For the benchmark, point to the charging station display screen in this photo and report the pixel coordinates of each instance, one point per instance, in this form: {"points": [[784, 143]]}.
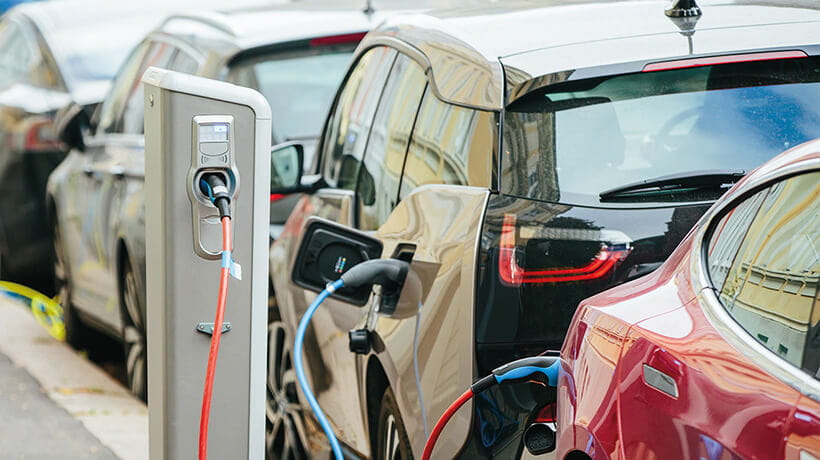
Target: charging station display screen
{"points": [[217, 132]]}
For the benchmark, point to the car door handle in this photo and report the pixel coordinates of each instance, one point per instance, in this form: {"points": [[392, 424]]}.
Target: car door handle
{"points": [[117, 171], [88, 171]]}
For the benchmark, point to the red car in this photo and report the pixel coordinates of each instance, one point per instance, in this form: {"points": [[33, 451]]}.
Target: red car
{"points": [[715, 355]]}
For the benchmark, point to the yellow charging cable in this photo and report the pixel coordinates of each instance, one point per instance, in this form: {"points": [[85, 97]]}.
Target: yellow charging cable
{"points": [[47, 311]]}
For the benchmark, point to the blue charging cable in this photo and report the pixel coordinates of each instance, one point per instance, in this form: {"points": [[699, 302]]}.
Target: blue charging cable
{"points": [[298, 365], [389, 273]]}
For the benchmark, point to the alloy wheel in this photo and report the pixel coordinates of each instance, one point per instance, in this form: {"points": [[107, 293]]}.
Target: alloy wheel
{"points": [[391, 441], [134, 335], [285, 436]]}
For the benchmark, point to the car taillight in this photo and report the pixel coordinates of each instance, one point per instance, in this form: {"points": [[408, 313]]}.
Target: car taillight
{"points": [[513, 274], [338, 39], [276, 197], [39, 136]]}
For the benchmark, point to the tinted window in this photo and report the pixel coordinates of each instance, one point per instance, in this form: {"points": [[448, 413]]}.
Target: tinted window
{"points": [[770, 288], [573, 140], [299, 87], [450, 145], [346, 134], [379, 178]]}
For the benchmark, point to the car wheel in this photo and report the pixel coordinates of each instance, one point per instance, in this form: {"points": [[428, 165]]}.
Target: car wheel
{"points": [[74, 329], [392, 442], [133, 333], [285, 435]]}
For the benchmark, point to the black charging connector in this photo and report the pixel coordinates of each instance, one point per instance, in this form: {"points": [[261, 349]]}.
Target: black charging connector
{"points": [[215, 187], [389, 273]]}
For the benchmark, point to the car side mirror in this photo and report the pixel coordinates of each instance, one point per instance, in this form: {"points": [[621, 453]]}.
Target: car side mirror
{"points": [[72, 124], [287, 165], [327, 251]]}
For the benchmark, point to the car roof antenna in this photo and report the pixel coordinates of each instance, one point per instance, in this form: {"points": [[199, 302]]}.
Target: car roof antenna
{"points": [[368, 8], [685, 15], [683, 9]]}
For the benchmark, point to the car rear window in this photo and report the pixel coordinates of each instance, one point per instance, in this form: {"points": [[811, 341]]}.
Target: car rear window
{"points": [[299, 87], [571, 141]]}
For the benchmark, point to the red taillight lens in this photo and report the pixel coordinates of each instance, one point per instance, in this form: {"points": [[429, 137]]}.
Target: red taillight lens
{"points": [[514, 275], [338, 39], [40, 136], [727, 59], [276, 197], [546, 414]]}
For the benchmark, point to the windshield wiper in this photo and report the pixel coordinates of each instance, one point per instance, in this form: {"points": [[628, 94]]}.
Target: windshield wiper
{"points": [[675, 183]]}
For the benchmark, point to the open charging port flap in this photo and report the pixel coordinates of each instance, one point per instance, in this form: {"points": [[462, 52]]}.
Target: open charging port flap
{"points": [[327, 251]]}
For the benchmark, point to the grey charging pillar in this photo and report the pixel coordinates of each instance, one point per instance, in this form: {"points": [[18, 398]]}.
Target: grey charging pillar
{"points": [[195, 125]]}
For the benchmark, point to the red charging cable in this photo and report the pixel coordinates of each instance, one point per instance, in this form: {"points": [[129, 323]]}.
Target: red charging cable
{"points": [[217, 334], [442, 422]]}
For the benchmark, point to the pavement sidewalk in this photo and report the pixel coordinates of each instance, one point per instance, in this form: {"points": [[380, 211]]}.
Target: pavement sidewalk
{"points": [[56, 404]]}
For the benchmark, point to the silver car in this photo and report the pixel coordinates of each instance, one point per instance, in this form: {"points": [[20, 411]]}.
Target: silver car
{"points": [[295, 57]]}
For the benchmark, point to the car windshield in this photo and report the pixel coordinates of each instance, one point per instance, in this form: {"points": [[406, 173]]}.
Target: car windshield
{"points": [[572, 141], [299, 88]]}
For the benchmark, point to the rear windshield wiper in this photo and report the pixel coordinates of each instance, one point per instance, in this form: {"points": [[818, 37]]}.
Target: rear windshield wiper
{"points": [[675, 183]]}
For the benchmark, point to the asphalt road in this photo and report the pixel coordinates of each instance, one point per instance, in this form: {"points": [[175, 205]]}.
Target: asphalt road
{"points": [[56, 404], [33, 426]]}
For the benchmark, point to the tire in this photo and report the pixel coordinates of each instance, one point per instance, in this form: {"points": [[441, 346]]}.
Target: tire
{"points": [[75, 332], [392, 442], [133, 332], [285, 433]]}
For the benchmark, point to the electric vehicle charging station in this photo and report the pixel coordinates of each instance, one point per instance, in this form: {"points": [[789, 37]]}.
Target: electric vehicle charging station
{"points": [[195, 126]]}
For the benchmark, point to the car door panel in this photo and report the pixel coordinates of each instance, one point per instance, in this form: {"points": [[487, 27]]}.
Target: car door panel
{"points": [[83, 199], [682, 349], [443, 223], [329, 362]]}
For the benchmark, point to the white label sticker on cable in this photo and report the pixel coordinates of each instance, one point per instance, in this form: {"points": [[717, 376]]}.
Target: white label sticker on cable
{"points": [[233, 267]]}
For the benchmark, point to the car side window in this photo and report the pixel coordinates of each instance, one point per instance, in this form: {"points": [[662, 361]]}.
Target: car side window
{"points": [[184, 62], [17, 56], [132, 122], [764, 261], [349, 124], [113, 103], [378, 184], [450, 145], [133, 115], [121, 103]]}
